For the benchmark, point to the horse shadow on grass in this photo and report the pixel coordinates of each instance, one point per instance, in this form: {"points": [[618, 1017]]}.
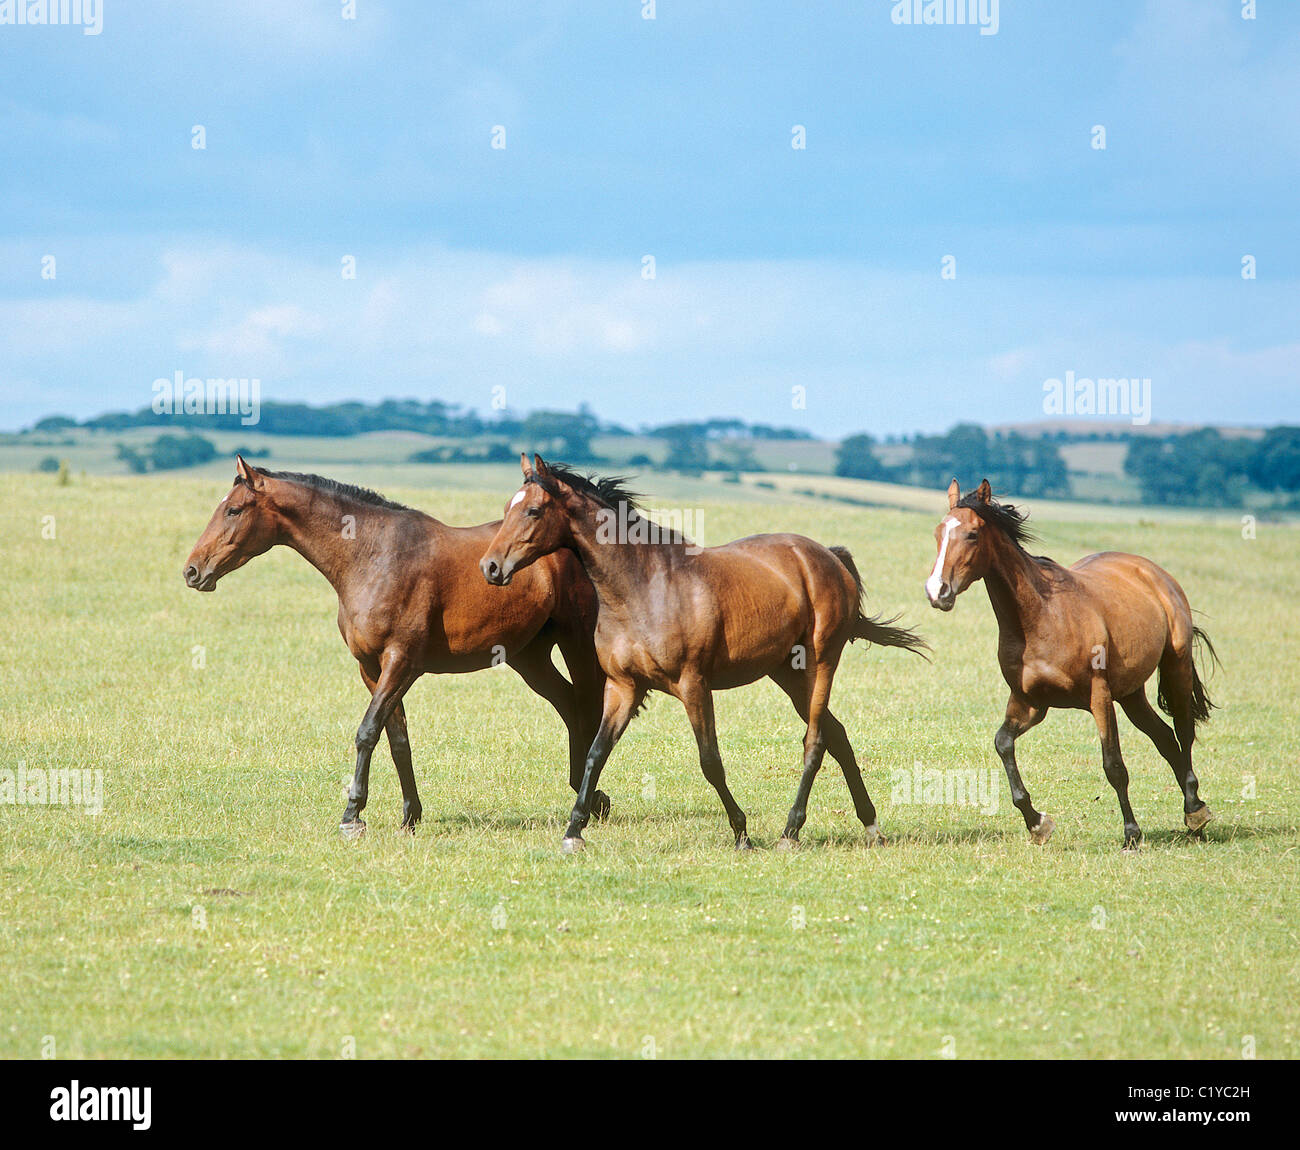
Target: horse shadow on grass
{"points": [[700, 818], [558, 819], [1217, 832], [849, 837]]}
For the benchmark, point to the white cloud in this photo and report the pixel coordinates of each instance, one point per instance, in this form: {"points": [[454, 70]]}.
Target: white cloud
{"points": [[874, 350]]}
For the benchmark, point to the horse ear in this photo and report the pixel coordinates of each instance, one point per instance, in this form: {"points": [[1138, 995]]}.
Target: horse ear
{"points": [[525, 466], [539, 464], [985, 492], [244, 474], [954, 494]]}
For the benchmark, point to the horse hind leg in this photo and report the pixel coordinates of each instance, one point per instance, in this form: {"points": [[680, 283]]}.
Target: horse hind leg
{"points": [[533, 664], [841, 750], [399, 745], [1177, 687], [1112, 761], [588, 681], [836, 742], [814, 749], [697, 698], [393, 682]]}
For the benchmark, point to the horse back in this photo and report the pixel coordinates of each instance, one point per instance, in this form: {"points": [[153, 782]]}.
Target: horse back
{"points": [[1144, 608], [786, 576]]}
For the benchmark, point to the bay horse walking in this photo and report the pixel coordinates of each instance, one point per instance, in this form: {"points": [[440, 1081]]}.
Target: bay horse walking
{"points": [[411, 602], [690, 620], [1083, 637]]}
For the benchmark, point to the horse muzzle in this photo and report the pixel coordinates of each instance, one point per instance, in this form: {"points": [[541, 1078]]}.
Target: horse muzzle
{"points": [[498, 574], [944, 599], [206, 581]]}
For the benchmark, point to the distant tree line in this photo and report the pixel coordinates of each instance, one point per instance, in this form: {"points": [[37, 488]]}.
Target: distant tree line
{"points": [[1010, 461], [1202, 468], [274, 418], [168, 453], [723, 429], [567, 435], [1206, 468]]}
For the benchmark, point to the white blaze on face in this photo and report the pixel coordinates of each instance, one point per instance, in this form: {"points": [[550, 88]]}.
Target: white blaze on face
{"points": [[519, 498], [935, 582]]}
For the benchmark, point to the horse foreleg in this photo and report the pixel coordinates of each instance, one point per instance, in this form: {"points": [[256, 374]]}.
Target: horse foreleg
{"points": [[1020, 717], [621, 702]]}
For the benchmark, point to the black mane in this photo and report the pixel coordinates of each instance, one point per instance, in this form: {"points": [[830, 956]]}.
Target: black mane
{"points": [[1010, 520], [335, 487], [611, 490]]}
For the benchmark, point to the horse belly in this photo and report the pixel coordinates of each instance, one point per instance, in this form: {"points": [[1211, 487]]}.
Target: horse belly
{"points": [[481, 642], [628, 659], [468, 632], [1134, 659], [1050, 685]]}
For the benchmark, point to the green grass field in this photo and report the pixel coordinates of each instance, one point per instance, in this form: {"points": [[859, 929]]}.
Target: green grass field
{"points": [[212, 910]]}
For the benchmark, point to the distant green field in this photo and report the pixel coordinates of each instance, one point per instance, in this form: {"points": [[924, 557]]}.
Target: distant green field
{"points": [[212, 910], [1096, 467], [96, 451]]}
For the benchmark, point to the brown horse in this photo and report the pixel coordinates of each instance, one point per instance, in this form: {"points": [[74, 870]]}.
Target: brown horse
{"points": [[690, 620], [1083, 637], [411, 602]]}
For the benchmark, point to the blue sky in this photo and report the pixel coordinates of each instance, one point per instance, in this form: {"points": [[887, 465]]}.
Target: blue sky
{"points": [[775, 267]]}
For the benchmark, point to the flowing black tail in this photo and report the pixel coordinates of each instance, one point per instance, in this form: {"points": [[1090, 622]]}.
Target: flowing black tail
{"points": [[1201, 701], [875, 629]]}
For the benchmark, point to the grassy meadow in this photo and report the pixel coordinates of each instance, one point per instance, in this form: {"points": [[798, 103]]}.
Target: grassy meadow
{"points": [[212, 910]]}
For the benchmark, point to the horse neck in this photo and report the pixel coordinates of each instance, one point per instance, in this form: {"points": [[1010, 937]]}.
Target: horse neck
{"points": [[312, 523], [1015, 587], [619, 570]]}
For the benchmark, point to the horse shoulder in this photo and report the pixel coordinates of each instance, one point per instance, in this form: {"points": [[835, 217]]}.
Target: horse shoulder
{"points": [[1050, 662]]}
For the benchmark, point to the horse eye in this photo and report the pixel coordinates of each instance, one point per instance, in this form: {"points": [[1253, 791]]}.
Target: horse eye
{"points": [[534, 513], [972, 536], [234, 510]]}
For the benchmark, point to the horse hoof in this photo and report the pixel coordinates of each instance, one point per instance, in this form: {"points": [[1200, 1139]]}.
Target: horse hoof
{"points": [[573, 846], [600, 806], [1132, 847], [874, 837], [353, 830], [1041, 833], [1196, 820], [743, 844], [785, 843]]}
